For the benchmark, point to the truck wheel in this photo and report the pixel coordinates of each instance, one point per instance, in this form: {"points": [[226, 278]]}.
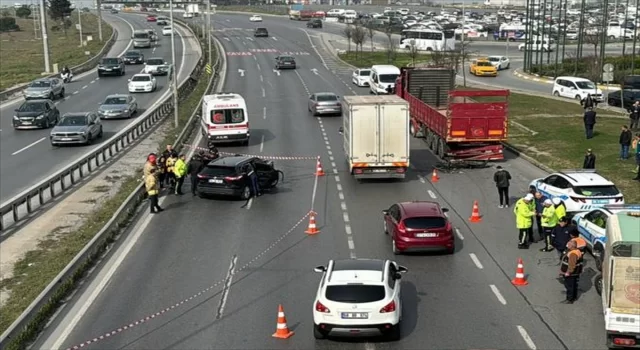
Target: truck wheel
{"points": [[597, 283], [440, 149], [413, 130], [598, 255]]}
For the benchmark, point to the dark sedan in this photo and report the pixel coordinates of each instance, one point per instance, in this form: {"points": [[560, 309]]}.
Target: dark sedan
{"points": [[34, 114], [111, 66], [226, 176], [314, 23], [630, 97], [133, 57], [261, 32], [285, 62]]}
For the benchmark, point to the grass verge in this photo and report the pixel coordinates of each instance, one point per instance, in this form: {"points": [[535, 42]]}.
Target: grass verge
{"points": [[64, 50], [38, 268], [556, 137], [366, 59]]}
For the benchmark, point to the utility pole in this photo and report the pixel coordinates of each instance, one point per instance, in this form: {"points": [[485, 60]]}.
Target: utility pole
{"points": [[174, 85], [208, 36], [99, 9], [45, 37], [80, 25], [36, 20]]}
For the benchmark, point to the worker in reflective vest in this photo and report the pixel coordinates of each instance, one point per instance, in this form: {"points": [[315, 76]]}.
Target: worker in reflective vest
{"points": [[548, 221], [581, 244], [152, 187], [571, 269]]}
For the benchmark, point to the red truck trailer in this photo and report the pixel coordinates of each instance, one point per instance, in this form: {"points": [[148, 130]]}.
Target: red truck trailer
{"points": [[454, 126]]}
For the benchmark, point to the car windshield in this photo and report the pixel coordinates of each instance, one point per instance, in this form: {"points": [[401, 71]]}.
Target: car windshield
{"points": [[484, 64], [261, 29], [586, 85], [324, 98], [115, 101], [32, 107], [215, 170], [425, 222], [388, 78], [365, 73], [40, 84], [286, 58], [155, 62], [355, 294], [109, 61], [132, 54], [494, 59], [592, 191], [141, 35], [227, 116], [166, 28], [141, 78], [73, 120]]}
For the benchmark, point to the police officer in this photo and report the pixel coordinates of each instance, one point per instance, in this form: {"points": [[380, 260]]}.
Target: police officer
{"points": [[581, 244], [152, 187], [524, 219], [194, 167], [561, 235], [180, 171], [170, 163], [561, 209], [549, 222], [571, 269]]}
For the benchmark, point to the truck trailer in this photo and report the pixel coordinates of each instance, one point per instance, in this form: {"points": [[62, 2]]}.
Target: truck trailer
{"points": [[453, 124], [376, 136]]}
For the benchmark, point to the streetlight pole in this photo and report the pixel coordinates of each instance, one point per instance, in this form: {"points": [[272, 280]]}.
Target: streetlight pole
{"points": [[80, 25], [208, 36], [174, 83], [45, 37], [99, 8]]}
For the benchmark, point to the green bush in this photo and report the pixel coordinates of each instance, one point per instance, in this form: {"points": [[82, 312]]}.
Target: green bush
{"points": [[8, 24], [588, 68]]}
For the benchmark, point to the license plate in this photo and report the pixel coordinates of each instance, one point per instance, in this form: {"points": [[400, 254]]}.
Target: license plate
{"points": [[66, 139], [355, 315], [222, 137], [215, 181], [108, 69], [27, 123], [601, 201], [426, 235], [379, 170]]}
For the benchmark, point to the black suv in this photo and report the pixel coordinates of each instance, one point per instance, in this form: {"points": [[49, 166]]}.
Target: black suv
{"points": [[314, 23], [111, 66], [227, 176], [133, 57], [36, 114], [285, 62], [261, 32]]}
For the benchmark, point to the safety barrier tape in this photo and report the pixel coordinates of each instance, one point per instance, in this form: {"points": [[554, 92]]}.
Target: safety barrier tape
{"points": [[255, 155], [191, 298]]}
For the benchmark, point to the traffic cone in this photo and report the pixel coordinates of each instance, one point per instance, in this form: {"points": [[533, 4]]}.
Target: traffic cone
{"points": [[475, 213], [434, 176], [519, 280], [312, 229], [282, 330], [319, 171]]}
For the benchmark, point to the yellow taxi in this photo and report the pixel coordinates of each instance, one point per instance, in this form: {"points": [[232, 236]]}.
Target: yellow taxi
{"points": [[483, 67]]}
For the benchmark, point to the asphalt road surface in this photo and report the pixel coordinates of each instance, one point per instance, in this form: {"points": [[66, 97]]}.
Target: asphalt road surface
{"points": [[27, 157], [219, 268]]}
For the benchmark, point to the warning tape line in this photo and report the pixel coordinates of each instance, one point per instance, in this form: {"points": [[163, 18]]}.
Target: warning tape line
{"points": [[191, 298], [255, 155]]}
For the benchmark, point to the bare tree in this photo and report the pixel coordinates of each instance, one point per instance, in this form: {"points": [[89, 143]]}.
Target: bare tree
{"points": [[358, 36], [413, 52], [594, 39], [461, 57], [348, 33], [371, 33], [391, 47]]}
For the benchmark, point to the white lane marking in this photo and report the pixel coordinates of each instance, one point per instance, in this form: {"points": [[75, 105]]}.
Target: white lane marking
{"points": [[331, 158], [264, 94], [84, 87], [421, 178], [339, 186], [75, 92], [28, 146], [264, 112], [93, 81], [347, 229], [432, 195], [258, 66], [227, 286], [341, 195], [255, 58], [476, 261], [343, 206], [446, 214], [526, 337], [345, 216], [249, 203], [350, 243], [227, 39], [495, 291], [244, 43], [262, 144], [459, 234], [261, 78], [333, 164], [274, 38]]}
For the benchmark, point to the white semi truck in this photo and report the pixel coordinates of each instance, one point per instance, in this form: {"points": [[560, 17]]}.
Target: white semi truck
{"points": [[376, 136]]}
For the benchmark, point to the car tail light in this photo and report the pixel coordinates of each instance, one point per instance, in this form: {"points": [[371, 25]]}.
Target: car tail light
{"points": [[581, 200], [391, 307], [624, 341], [620, 199], [448, 228], [357, 171], [322, 308], [232, 178], [200, 176], [402, 228], [400, 170]]}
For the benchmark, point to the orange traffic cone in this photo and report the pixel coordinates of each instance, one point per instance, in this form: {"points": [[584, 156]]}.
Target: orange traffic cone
{"points": [[434, 176], [475, 213], [312, 229], [519, 280], [319, 171], [282, 330]]}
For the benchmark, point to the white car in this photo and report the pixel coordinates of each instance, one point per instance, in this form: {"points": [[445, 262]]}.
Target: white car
{"points": [[580, 190], [156, 66], [592, 226], [142, 83], [167, 31], [358, 297], [360, 77], [255, 18], [500, 62], [187, 15]]}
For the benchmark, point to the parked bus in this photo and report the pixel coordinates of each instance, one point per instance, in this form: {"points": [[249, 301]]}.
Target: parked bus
{"points": [[423, 39]]}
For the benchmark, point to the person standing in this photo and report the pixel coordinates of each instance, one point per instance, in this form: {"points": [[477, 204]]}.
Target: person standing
{"points": [[162, 171], [561, 209], [634, 115], [502, 178], [152, 187], [539, 207], [180, 171], [151, 163], [589, 122], [524, 220], [625, 142], [169, 152], [549, 222], [171, 176], [194, 167], [253, 180], [561, 235], [581, 243], [588, 102], [589, 160], [571, 269]]}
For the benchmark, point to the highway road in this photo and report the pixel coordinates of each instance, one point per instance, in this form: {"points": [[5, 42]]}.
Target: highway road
{"points": [[27, 157], [210, 273]]}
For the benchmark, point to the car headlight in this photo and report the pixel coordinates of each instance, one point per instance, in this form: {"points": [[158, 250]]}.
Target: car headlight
{"points": [[15, 117], [82, 133], [40, 116], [150, 85], [46, 92]]}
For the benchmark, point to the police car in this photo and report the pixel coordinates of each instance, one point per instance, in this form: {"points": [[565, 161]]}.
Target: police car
{"points": [[580, 190], [592, 227]]}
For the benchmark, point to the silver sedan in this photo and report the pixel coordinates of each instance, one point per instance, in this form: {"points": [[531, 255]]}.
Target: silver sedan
{"points": [[118, 106], [325, 103]]}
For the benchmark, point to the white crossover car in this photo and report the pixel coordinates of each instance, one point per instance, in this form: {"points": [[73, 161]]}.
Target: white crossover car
{"points": [[358, 297], [360, 77], [580, 190], [187, 15], [167, 31], [500, 62], [156, 66], [142, 83], [255, 18]]}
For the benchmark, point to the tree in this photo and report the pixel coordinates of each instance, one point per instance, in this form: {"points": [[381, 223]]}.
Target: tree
{"points": [[461, 56], [23, 11], [348, 33], [391, 47], [413, 52], [59, 9], [358, 35], [371, 33], [593, 39]]}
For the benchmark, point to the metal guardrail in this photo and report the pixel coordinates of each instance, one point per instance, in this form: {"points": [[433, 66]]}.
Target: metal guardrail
{"points": [[26, 203], [79, 69], [43, 307]]}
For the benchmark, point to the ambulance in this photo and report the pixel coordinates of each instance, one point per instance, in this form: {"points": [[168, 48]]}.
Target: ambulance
{"points": [[225, 119]]}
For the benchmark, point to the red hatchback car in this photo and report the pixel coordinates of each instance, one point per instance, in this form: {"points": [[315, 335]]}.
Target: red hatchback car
{"points": [[418, 226], [151, 18]]}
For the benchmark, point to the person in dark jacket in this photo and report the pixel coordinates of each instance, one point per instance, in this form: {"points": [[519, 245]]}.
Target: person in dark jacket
{"points": [[588, 102], [169, 151], [194, 167], [539, 200], [162, 171], [252, 178], [561, 235], [634, 115], [625, 142], [502, 178], [589, 122], [589, 160]]}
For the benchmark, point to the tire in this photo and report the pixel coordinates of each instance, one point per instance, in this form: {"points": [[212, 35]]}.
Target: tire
{"points": [[597, 283], [578, 98], [598, 254], [246, 193], [451, 250], [62, 93], [394, 334], [317, 333], [89, 140], [122, 73], [394, 249], [100, 133], [556, 94], [51, 97]]}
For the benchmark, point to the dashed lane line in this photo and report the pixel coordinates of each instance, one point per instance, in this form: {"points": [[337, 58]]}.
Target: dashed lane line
{"points": [[476, 261], [527, 339], [458, 233], [431, 194], [498, 295]]}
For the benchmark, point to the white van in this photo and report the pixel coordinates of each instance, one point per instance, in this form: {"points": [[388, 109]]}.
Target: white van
{"points": [[382, 76], [225, 119], [576, 88]]}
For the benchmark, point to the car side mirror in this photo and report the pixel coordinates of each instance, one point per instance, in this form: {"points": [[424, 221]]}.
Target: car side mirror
{"points": [[166, 63], [445, 210], [340, 130], [16, 110], [129, 80], [320, 269], [402, 269], [385, 212]]}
